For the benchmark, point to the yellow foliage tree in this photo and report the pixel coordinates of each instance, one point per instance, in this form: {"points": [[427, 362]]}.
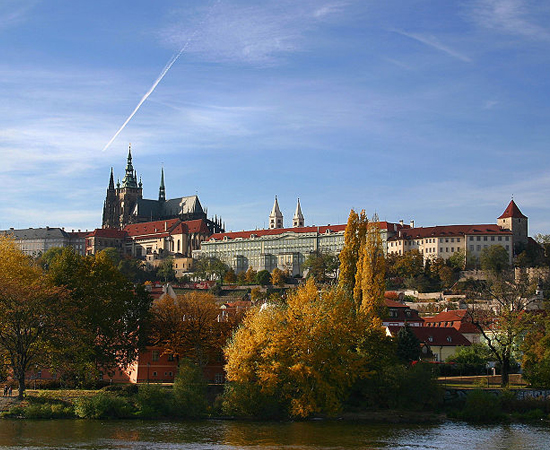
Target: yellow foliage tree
{"points": [[277, 277], [370, 283], [354, 239], [304, 352]]}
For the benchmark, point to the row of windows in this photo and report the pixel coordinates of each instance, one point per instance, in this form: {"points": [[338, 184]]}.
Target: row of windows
{"points": [[486, 238]]}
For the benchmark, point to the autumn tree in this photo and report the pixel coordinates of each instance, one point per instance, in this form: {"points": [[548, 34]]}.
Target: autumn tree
{"points": [[190, 326], [263, 277], [34, 314], [277, 277], [250, 276], [304, 353], [536, 350], [230, 276], [354, 240], [502, 324], [370, 282]]}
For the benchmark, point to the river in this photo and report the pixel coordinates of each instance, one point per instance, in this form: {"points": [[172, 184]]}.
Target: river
{"points": [[228, 435]]}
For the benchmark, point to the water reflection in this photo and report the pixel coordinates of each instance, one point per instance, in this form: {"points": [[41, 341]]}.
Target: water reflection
{"points": [[228, 435]]}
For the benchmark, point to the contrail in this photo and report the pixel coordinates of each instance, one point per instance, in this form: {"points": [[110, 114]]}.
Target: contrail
{"points": [[149, 92], [160, 77]]}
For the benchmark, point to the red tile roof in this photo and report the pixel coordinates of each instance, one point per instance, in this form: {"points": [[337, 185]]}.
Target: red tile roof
{"points": [[450, 230], [158, 227], [440, 336], [312, 229], [513, 211], [108, 233], [457, 319]]}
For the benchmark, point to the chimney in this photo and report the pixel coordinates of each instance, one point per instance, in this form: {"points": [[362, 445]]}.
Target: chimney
{"points": [[401, 222], [412, 223]]}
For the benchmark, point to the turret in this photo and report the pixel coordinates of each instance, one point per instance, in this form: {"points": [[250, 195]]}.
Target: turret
{"points": [[276, 217], [514, 220], [298, 219]]}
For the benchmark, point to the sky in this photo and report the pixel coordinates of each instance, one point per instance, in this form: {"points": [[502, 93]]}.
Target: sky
{"points": [[422, 110]]}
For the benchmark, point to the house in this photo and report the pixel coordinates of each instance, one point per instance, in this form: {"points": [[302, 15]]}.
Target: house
{"points": [[399, 314], [458, 319]]}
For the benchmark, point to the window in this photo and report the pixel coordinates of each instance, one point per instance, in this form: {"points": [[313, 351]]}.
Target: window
{"points": [[449, 339], [155, 355], [484, 238], [440, 249], [471, 238], [492, 238], [479, 238], [452, 249], [452, 239], [507, 238], [170, 357], [457, 239], [446, 249], [500, 238], [154, 374], [471, 248], [479, 248], [218, 378]]}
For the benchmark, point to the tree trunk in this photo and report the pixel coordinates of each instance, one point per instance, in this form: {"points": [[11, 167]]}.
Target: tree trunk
{"points": [[505, 373], [21, 380]]}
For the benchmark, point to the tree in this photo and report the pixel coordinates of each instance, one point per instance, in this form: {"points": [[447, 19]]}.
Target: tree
{"points": [[354, 240], [536, 350], [494, 259], [408, 345], [111, 313], [263, 277], [190, 326], [458, 260], [321, 266], [503, 324], [471, 359], [230, 276], [166, 269], [210, 267], [277, 277], [370, 283], [250, 276], [34, 314], [302, 354]]}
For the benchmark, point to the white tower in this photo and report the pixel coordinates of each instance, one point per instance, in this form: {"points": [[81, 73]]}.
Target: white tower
{"points": [[298, 219], [276, 217]]}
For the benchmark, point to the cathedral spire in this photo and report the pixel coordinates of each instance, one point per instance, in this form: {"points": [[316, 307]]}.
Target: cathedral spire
{"points": [[112, 181], [276, 217], [298, 219], [162, 190], [129, 180]]}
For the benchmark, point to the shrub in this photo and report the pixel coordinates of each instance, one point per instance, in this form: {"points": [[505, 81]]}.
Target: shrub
{"points": [[481, 407], [153, 401], [103, 406], [247, 400], [190, 391]]}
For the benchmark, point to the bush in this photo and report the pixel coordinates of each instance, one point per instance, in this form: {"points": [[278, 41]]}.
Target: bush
{"points": [[190, 391], [103, 406], [153, 401], [247, 400], [481, 407]]}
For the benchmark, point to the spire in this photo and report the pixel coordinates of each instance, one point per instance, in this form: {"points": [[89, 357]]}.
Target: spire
{"points": [[162, 190], [298, 219], [276, 217], [112, 181], [512, 211], [129, 180]]}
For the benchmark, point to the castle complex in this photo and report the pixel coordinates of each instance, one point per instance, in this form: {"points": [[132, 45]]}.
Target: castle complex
{"points": [[124, 204]]}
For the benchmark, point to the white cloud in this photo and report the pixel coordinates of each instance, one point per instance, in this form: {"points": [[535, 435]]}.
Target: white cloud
{"points": [[258, 35], [516, 17]]}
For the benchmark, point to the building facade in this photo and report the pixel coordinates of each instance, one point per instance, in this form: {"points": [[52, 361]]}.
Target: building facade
{"points": [[36, 241], [279, 247], [444, 241]]}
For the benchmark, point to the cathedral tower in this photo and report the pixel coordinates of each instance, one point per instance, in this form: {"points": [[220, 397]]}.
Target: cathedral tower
{"points": [[276, 217], [298, 219]]}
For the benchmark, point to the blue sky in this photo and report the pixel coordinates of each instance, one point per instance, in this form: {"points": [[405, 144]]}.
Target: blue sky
{"points": [[430, 111]]}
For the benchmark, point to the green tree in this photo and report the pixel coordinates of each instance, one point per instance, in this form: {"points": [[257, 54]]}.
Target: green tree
{"points": [[321, 266], [230, 276], [494, 259], [250, 275], [458, 260], [536, 350], [502, 325], [408, 345], [263, 277], [210, 268], [166, 269], [111, 313], [471, 359], [190, 391]]}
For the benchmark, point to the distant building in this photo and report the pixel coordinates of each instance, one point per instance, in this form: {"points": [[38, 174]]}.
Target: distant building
{"points": [[36, 241], [284, 248], [446, 240], [124, 204]]}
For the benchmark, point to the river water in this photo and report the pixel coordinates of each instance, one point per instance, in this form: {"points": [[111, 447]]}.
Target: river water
{"points": [[228, 435]]}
